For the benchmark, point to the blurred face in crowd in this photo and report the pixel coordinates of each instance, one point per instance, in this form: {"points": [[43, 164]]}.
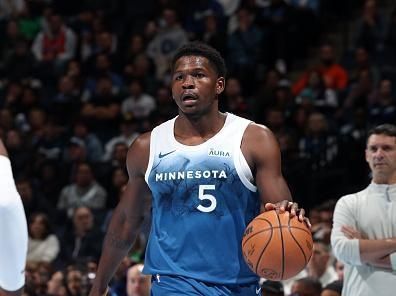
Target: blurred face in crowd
{"points": [[327, 54], [38, 227], [233, 88], [25, 190], [302, 289], [319, 260], [138, 284], [6, 119], [55, 23], [136, 44], [13, 140], [381, 157], [83, 219], [361, 56], [339, 268], [55, 285], [385, 88], [74, 281], [317, 123], [120, 178], [84, 176], [66, 85]]}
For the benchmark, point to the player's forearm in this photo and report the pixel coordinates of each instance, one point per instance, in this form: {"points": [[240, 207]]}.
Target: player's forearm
{"points": [[373, 250], [119, 238]]}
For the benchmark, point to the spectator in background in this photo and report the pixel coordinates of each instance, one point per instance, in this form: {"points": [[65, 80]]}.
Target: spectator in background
{"points": [[271, 288], [339, 268], [169, 37], [128, 133], [18, 151], [20, 64], [382, 109], [363, 63], [10, 9], [138, 284], [32, 199], [138, 104], [94, 149], [83, 191], [233, 99], [332, 289], [102, 111], [55, 46], [244, 50], [65, 105], [56, 285], [213, 34], [80, 241], [363, 234], [43, 245], [370, 29], [74, 282], [320, 266], [306, 286], [334, 75], [390, 40], [318, 95]]}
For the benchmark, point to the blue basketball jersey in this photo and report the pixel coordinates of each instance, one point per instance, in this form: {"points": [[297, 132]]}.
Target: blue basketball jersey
{"points": [[202, 200]]}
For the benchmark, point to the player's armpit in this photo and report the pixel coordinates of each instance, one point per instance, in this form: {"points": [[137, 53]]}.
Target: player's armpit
{"points": [[262, 153]]}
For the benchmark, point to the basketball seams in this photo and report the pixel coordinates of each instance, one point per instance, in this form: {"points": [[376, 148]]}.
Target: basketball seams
{"points": [[263, 250], [282, 243], [296, 241], [265, 264]]}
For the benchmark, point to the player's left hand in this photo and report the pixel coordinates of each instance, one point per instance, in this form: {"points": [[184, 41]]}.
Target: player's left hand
{"points": [[292, 207]]}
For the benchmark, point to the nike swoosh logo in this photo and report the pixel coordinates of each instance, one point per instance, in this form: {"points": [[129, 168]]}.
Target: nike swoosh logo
{"points": [[160, 155], [258, 290]]}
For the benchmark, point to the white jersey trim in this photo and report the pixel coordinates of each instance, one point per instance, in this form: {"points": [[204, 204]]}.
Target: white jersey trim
{"points": [[151, 155]]}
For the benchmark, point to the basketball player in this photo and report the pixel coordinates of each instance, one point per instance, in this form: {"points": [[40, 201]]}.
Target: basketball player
{"points": [[364, 232], [208, 172], [13, 232]]}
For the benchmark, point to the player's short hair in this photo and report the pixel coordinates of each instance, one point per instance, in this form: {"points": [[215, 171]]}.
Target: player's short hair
{"points": [[201, 49], [383, 129]]}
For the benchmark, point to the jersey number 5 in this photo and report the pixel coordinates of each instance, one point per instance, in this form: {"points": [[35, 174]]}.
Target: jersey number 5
{"points": [[208, 197]]}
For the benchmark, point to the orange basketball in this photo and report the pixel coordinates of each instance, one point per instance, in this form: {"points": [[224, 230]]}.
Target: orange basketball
{"points": [[276, 247]]}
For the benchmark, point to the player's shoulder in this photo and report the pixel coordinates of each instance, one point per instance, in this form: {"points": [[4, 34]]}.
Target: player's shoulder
{"points": [[141, 142], [138, 152], [255, 131]]}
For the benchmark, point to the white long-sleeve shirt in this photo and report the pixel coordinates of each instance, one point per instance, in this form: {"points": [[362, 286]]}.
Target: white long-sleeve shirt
{"points": [[13, 231], [373, 213]]}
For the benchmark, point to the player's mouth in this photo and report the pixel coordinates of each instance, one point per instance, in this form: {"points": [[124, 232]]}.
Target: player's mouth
{"points": [[189, 98]]}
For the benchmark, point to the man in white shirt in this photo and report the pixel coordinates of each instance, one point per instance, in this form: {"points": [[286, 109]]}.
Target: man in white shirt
{"points": [[364, 232], [13, 231]]}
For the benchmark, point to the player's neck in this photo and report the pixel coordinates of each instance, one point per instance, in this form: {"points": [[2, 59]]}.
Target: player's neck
{"points": [[196, 130]]}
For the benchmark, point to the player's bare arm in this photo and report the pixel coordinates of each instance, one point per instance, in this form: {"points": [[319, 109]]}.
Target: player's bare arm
{"points": [[262, 153], [127, 217], [3, 151]]}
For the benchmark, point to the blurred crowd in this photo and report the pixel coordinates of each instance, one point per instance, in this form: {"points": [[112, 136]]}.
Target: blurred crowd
{"points": [[79, 81]]}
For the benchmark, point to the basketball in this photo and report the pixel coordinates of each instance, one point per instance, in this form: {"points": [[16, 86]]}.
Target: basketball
{"points": [[276, 247]]}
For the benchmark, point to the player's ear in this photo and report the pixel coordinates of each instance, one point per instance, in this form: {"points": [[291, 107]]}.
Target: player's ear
{"points": [[220, 85]]}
